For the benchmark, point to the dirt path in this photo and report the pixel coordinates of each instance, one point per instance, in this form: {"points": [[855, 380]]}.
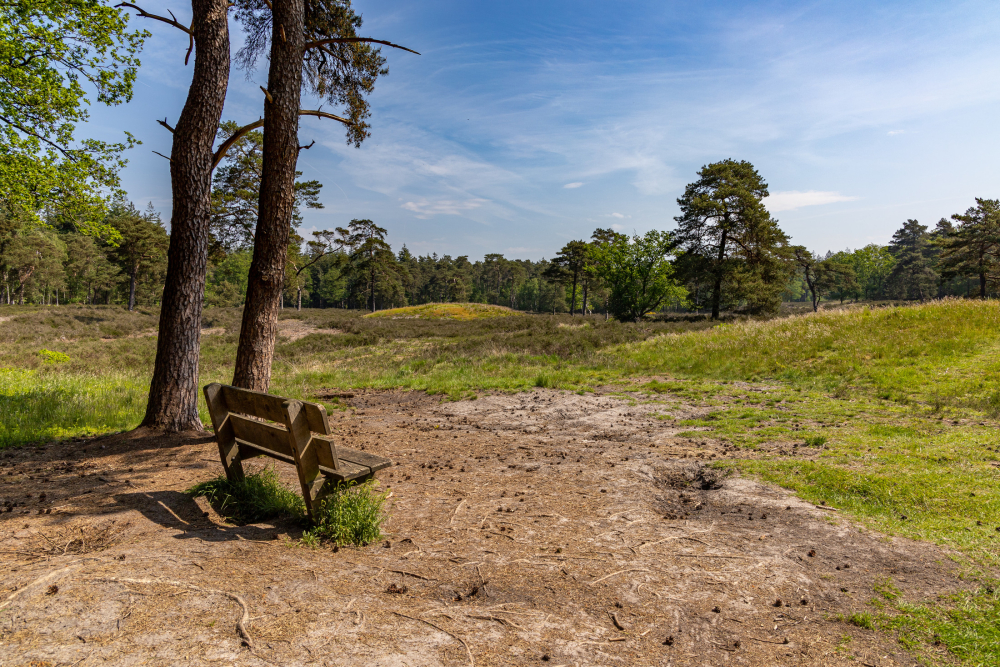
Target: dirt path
{"points": [[540, 528]]}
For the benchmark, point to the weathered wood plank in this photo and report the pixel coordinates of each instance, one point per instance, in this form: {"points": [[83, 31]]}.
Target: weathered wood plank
{"points": [[271, 438], [348, 471], [225, 438], [316, 414], [254, 403], [363, 458]]}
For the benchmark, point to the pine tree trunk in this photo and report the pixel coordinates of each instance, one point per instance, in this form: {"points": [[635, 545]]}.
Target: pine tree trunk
{"points": [[173, 392], [277, 197], [131, 288], [298, 304], [982, 284], [717, 288], [572, 303]]}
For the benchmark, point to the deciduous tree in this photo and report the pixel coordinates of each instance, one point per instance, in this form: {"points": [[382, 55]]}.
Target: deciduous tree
{"points": [[638, 274], [51, 53]]}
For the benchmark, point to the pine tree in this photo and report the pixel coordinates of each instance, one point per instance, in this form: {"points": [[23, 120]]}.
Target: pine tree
{"points": [[734, 242], [912, 276]]}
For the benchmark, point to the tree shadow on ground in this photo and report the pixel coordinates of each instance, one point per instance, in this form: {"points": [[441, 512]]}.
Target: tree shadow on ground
{"points": [[178, 511]]}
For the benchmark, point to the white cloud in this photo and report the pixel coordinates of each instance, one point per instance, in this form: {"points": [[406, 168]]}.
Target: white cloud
{"points": [[618, 215], [571, 186], [617, 227], [893, 133], [425, 209], [793, 199]]}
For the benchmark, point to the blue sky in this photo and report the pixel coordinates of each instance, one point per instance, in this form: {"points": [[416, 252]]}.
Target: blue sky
{"points": [[527, 124]]}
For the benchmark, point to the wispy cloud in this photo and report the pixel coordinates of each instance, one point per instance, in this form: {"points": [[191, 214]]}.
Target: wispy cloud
{"points": [[617, 215], [572, 186], [426, 209], [793, 199]]}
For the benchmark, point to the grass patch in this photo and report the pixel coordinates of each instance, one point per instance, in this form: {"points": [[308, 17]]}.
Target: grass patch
{"points": [[448, 311], [40, 406], [351, 514], [260, 495]]}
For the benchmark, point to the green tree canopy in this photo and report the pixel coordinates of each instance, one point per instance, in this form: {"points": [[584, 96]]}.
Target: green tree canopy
{"points": [[638, 274], [51, 53], [236, 193], [913, 275], [732, 241], [973, 246], [143, 241]]}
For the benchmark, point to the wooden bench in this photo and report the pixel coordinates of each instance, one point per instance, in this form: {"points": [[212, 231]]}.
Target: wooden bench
{"points": [[236, 415]]}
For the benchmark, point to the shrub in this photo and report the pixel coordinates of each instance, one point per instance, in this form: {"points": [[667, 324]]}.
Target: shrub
{"points": [[53, 357], [351, 514]]}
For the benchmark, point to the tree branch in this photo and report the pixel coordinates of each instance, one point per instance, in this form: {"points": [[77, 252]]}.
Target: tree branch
{"points": [[353, 40], [143, 13], [228, 143], [163, 156], [164, 124], [171, 21], [323, 114], [49, 142]]}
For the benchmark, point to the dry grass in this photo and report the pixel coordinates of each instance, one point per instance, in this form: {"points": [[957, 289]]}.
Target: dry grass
{"points": [[448, 311]]}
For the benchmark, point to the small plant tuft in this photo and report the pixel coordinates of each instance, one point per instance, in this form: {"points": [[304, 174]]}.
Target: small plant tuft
{"points": [[351, 514], [259, 495], [543, 381], [816, 441], [862, 620], [53, 357]]}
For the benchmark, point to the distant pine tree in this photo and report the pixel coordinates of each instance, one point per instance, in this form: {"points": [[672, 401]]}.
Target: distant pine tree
{"points": [[913, 275]]}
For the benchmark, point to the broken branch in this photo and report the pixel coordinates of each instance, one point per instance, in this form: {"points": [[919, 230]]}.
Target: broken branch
{"points": [[164, 124], [144, 14]]}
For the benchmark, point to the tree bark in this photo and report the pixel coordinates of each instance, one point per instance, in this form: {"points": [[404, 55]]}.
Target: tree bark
{"points": [[173, 391], [717, 289], [572, 303], [982, 284], [131, 287], [277, 197]]}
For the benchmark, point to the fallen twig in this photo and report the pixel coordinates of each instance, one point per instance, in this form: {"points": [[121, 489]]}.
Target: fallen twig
{"points": [[455, 513], [472, 662], [240, 625], [411, 574], [607, 576]]}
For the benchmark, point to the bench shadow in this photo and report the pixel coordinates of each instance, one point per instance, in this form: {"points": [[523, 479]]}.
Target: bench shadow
{"points": [[175, 510]]}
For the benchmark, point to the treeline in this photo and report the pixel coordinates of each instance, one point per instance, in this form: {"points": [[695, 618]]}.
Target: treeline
{"points": [[727, 254], [959, 257]]}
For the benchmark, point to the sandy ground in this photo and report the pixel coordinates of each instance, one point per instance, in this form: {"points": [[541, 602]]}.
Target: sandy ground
{"points": [[544, 528]]}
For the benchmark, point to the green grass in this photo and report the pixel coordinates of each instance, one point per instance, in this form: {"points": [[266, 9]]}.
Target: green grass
{"points": [[41, 406], [260, 495], [351, 514]]}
